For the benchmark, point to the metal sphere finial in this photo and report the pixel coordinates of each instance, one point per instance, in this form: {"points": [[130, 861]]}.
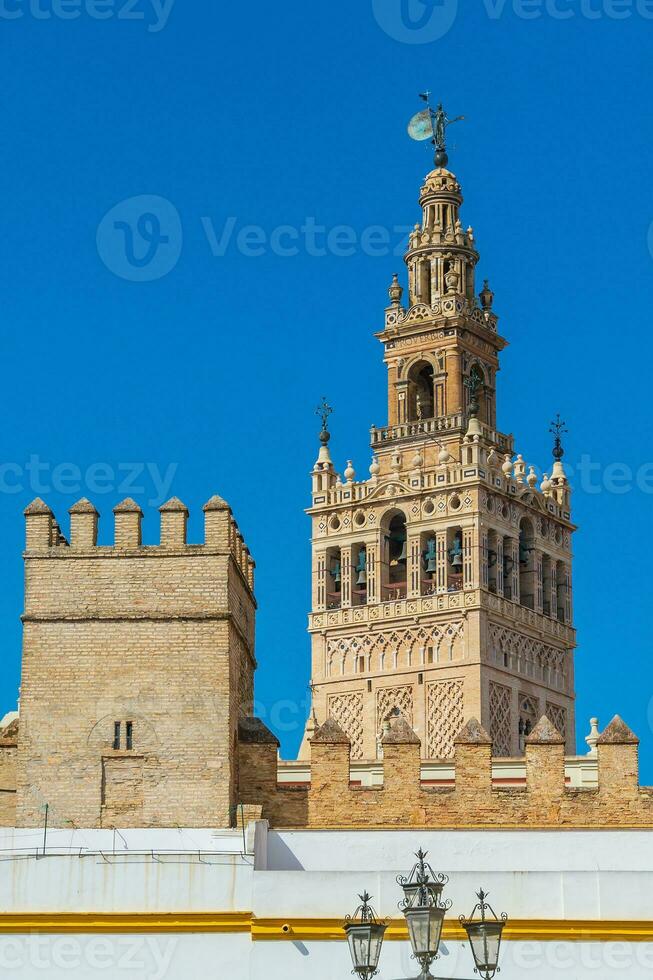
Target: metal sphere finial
{"points": [[558, 428]]}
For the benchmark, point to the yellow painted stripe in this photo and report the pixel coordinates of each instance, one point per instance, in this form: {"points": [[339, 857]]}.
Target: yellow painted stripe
{"points": [[516, 930], [279, 929], [81, 922]]}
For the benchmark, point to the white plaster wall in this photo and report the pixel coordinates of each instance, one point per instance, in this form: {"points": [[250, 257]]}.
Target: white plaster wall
{"points": [[304, 874], [236, 957]]}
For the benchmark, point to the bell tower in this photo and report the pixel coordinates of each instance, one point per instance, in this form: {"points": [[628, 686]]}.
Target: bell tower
{"points": [[442, 583]]}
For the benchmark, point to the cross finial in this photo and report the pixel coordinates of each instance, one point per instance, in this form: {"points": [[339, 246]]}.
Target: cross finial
{"points": [[324, 411], [558, 429]]}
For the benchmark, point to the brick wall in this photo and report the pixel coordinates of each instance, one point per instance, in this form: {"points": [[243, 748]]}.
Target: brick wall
{"points": [[545, 801], [158, 637]]}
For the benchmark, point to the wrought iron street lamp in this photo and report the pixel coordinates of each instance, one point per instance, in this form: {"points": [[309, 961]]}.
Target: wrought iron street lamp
{"points": [[424, 911], [365, 937], [484, 936]]}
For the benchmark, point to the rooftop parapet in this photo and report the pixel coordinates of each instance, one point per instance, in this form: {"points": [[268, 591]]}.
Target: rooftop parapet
{"points": [[43, 536], [546, 800]]}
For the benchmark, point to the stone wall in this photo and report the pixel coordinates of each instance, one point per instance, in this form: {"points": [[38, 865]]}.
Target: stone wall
{"points": [[156, 640], [546, 801]]}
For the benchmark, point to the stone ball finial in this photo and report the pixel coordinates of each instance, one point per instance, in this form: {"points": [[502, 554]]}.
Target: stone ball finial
{"points": [[350, 472], [507, 465], [375, 468], [531, 479]]}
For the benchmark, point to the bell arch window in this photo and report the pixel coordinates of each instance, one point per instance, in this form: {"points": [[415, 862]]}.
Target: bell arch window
{"points": [[548, 604], [563, 580], [421, 392], [333, 578], [359, 575], [510, 576], [494, 563], [429, 563], [454, 559], [527, 565], [395, 556]]}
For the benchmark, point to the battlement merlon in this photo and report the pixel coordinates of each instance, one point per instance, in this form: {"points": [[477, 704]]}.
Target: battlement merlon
{"points": [[222, 536]]}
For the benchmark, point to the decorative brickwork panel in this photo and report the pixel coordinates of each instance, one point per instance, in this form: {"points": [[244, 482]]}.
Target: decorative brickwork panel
{"points": [[347, 710], [531, 658], [395, 648], [557, 715], [390, 698], [445, 717], [500, 720]]}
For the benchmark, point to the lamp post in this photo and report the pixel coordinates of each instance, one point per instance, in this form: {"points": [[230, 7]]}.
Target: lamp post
{"points": [[484, 936], [365, 937], [424, 911]]}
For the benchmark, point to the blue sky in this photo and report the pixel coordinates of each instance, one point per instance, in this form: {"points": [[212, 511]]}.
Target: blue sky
{"points": [[254, 121]]}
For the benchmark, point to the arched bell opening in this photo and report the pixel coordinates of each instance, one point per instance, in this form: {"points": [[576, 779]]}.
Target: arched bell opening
{"points": [[563, 589], [420, 392], [494, 562], [509, 576], [527, 570], [549, 606], [333, 578], [359, 575], [395, 556], [454, 559], [429, 563]]}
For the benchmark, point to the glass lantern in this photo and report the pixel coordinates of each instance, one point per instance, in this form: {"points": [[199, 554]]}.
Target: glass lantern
{"points": [[484, 936], [365, 937]]}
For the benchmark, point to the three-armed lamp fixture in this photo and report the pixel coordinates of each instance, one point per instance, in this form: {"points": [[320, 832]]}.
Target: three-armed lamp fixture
{"points": [[424, 911]]}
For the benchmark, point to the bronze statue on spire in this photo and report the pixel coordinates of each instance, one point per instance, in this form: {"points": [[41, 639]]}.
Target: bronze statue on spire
{"points": [[433, 124]]}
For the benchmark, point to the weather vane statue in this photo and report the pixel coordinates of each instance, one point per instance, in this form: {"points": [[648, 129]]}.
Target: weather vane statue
{"points": [[432, 124], [324, 411]]}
